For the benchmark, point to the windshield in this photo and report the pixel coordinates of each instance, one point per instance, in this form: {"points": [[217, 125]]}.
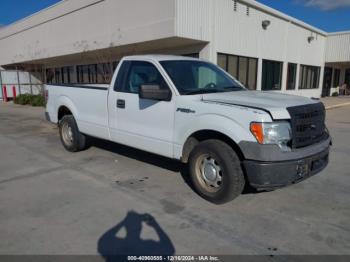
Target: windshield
{"points": [[197, 77]]}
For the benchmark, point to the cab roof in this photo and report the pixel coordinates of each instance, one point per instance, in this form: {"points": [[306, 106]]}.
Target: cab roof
{"points": [[159, 57]]}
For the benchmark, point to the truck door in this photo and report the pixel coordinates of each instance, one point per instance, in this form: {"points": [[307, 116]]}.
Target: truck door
{"points": [[136, 122]]}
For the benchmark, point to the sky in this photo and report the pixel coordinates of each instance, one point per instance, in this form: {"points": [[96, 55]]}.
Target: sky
{"points": [[13, 10], [328, 15]]}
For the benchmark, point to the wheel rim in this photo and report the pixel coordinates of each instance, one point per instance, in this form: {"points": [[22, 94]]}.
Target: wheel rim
{"points": [[209, 173], [67, 134]]}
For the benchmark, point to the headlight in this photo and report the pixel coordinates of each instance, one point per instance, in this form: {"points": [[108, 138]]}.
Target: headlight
{"points": [[277, 133]]}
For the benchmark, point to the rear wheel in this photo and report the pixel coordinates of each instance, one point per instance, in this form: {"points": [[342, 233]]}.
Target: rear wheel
{"points": [[71, 138], [216, 171]]}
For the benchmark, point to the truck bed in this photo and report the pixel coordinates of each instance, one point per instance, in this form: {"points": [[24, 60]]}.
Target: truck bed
{"points": [[88, 104]]}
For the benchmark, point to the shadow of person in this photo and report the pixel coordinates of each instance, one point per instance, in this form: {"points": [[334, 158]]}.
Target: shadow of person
{"points": [[110, 245]]}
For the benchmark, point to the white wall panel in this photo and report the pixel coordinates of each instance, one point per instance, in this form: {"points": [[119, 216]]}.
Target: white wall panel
{"points": [[338, 47], [240, 32], [235, 32], [300, 50], [194, 19], [76, 26]]}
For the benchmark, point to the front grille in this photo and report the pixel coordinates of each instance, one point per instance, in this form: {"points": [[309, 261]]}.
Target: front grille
{"points": [[308, 124]]}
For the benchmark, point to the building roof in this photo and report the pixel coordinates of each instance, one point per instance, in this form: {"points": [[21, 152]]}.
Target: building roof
{"points": [[252, 3], [339, 33]]}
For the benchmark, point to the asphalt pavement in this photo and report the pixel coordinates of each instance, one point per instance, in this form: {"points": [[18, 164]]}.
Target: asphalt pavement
{"points": [[112, 198]]}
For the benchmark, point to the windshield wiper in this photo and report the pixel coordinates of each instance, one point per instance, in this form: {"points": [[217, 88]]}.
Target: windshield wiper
{"points": [[233, 88], [204, 91]]}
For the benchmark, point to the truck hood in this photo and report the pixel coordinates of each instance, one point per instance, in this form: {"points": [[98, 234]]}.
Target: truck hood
{"points": [[275, 103]]}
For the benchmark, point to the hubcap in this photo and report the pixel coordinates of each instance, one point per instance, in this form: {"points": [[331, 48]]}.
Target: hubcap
{"points": [[67, 134], [209, 173]]}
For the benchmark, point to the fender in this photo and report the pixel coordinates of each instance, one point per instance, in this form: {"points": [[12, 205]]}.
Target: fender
{"points": [[212, 122], [65, 101]]}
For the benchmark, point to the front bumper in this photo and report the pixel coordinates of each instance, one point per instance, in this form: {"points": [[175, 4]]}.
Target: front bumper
{"points": [[270, 175]]}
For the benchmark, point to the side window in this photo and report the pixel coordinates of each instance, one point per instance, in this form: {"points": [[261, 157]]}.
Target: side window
{"points": [[142, 73], [119, 82]]}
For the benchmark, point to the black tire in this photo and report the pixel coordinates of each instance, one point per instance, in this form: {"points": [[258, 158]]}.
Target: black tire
{"points": [[77, 141], [221, 158]]}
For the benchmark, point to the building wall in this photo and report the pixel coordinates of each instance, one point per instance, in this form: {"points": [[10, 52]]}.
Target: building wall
{"points": [[92, 31], [79, 26], [338, 57], [237, 30], [338, 47]]}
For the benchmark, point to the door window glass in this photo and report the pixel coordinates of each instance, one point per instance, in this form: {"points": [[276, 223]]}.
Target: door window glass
{"points": [[142, 73]]}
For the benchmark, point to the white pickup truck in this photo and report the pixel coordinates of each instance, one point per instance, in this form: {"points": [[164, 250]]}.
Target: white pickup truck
{"points": [[193, 111]]}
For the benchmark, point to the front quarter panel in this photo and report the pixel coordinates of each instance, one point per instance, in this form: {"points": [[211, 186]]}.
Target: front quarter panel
{"points": [[193, 115]]}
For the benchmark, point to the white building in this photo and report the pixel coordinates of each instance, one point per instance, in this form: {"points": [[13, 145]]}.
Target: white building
{"points": [[81, 41]]}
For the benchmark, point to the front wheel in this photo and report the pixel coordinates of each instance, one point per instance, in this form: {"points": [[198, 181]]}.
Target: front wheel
{"points": [[71, 138], [216, 172]]}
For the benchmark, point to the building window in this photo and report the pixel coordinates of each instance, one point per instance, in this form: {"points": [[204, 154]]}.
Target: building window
{"points": [[104, 73], [309, 77], [253, 73], [87, 74], [83, 74], [79, 74], [336, 78], [291, 76], [93, 74], [194, 55], [222, 61], [67, 74], [115, 65], [244, 69], [58, 76], [50, 76], [271, 75]]}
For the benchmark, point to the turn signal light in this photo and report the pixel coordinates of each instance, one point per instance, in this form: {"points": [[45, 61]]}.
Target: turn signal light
{"points": [[257, 131]]}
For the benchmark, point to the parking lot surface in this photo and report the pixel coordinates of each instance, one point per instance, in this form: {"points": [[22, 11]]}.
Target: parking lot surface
{"points": [[112, 198]]}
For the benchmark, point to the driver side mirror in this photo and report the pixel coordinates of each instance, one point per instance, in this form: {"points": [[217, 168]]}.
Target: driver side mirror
{"points": [[154, 92]]}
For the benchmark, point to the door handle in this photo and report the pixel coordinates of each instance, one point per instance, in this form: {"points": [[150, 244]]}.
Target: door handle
{"points": [[121, 103]]}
